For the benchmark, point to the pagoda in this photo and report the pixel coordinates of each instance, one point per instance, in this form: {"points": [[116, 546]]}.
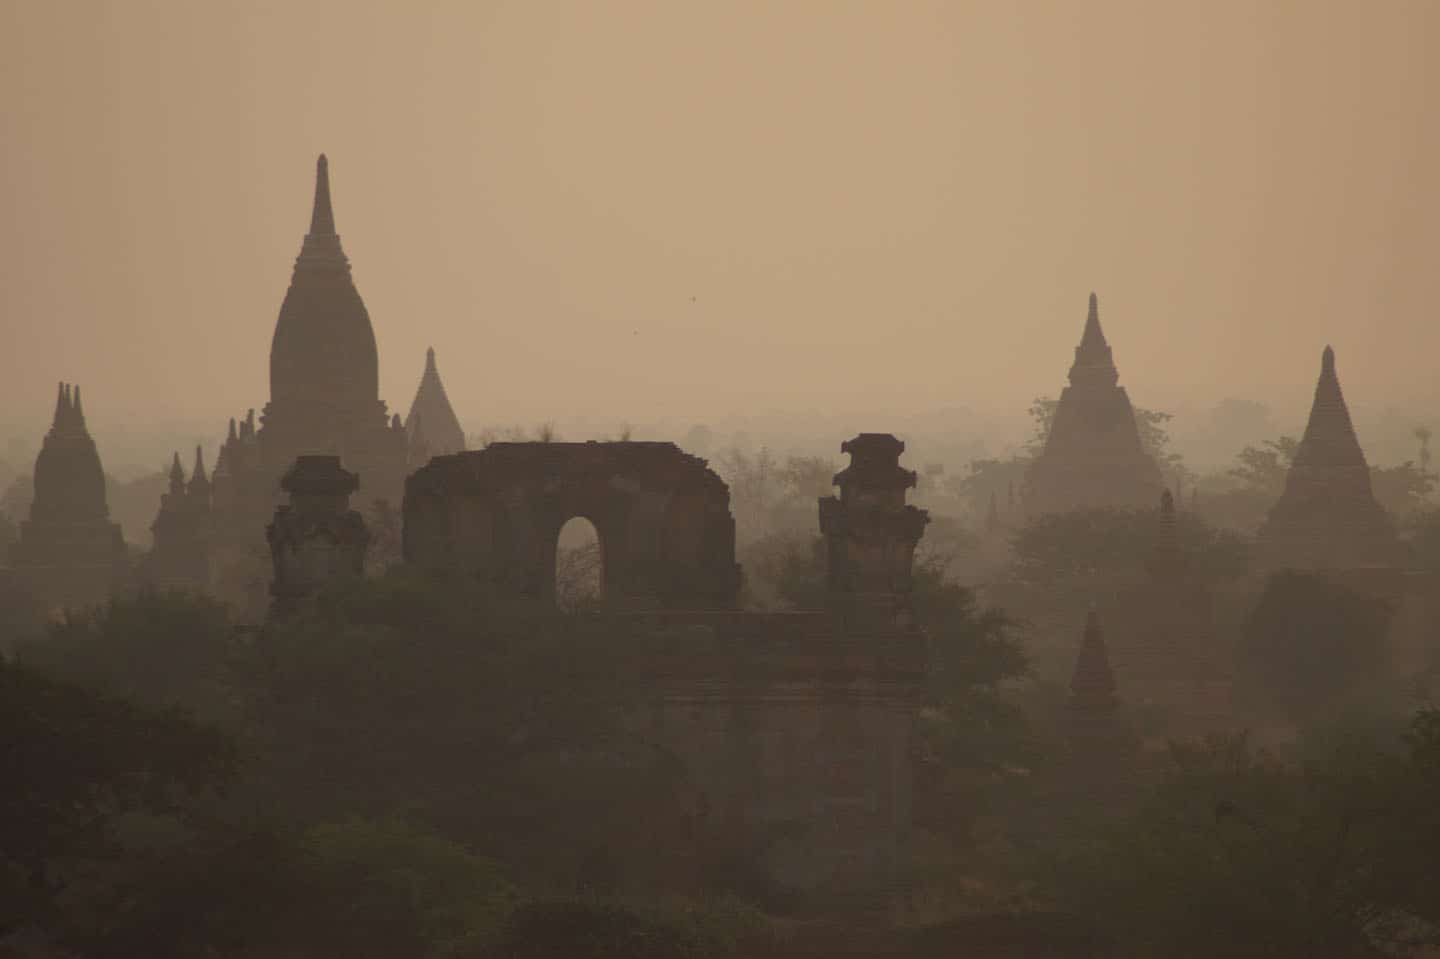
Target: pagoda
{"points": [[69, 553], [1328, 517], [1093, 457], [431, 424]]}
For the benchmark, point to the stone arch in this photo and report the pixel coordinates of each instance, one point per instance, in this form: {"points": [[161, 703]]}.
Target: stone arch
{"points": [[579, 563], [495, 514]]}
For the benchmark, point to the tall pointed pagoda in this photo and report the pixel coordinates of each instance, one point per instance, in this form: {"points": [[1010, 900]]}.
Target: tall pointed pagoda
{"points": [[324, 399], [1328, 517], [1093, 457], [441, 428], [324, 367], [69, 553]]}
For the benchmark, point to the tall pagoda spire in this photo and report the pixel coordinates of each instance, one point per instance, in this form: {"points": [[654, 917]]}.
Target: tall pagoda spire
{"points": [[324, 365], [322, 216], [1093, 456], [1328, 516], [199, 482], [442, 431], [1093, 359], [177, 475]]}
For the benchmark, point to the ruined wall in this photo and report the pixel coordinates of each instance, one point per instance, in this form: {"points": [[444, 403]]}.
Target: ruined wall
{"points": [[494, 516], [798, 739]]}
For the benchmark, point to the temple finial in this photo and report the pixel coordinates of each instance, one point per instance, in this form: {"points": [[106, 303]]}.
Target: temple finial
{"points": [[177, 474], [322, 217], [232, 436], [1094, 336], [430, 360], [78, 409], [1327, 361], [60, 406], [199, 472]]}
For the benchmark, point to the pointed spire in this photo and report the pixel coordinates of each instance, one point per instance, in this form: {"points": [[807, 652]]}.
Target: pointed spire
{"points": [[199, 471], [1093, 359], [177, 475], [1093, 335], [443, 432], [231, 436], [322, 217], [1092, 688], [60, 407], [79, 410], [1329, 438]]}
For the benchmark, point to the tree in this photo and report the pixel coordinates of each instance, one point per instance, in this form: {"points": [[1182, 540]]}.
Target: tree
{"points": [[1310, 642], [1100, 548], [1241, 853], [76, 762], [158, 648]]}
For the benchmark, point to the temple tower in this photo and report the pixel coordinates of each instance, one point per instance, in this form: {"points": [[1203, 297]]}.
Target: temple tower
{"points": [[1093, 457], [870, 532], [181, 554], [317, 539], [431, 422], [1099, 767], [1328, 517], [324, 367], [69, 553]]}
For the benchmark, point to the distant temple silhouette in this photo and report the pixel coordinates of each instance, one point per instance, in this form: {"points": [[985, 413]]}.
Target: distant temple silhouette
{"points": [[69, 553], [431, 425], [1328, 517], [1093, 456], [324, 400]]}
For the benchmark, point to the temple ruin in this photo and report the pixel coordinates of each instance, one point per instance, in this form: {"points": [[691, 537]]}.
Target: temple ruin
{"points": [[835, 691]]}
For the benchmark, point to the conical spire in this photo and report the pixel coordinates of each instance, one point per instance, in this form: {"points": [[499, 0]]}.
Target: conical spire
{"points": [[231, 436], [1093, 359], [322, 217], [199, 483], [61, 405], [1093, 337], [1329, 438], [79, 410], [177, 475], [443, 434], [1092, 688]]}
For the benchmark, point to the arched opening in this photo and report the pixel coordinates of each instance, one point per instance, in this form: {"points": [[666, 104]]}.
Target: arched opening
{"points": [[579, 565]]}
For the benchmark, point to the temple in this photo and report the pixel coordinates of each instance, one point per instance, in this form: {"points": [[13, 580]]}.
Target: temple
{"points": [[1328, 517], [324, 400], [180, 557], [1093, 457], [431, 426], [69, 553]]}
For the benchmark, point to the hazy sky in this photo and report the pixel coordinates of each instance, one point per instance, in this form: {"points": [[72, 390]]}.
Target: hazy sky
{"points": [[687, 208]]}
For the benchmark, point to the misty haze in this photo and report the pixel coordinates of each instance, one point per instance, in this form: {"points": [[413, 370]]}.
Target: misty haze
{"points": [[797, 479]]}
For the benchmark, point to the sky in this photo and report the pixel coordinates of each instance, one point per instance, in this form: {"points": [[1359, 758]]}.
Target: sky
{"points": [[710, 209]]}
